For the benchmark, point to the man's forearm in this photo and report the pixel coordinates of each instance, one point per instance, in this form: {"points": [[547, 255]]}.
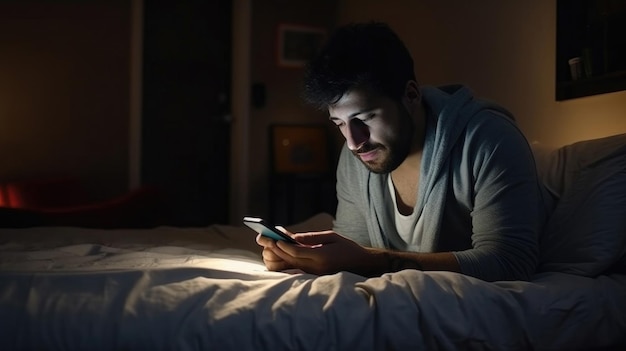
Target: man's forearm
{"points": [[386, 261]]}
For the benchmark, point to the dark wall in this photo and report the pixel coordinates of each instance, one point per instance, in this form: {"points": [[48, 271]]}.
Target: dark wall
{"points": [[64, 92]]}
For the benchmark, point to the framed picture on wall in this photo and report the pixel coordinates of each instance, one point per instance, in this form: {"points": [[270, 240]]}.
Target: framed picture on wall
{"points": [[297, 44]]}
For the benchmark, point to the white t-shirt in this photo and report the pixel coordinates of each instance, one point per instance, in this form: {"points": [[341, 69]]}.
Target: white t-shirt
{"points": [[409, 230]]}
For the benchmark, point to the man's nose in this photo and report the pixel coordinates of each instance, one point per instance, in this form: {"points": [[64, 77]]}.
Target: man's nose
{"points": [[356, 134]]}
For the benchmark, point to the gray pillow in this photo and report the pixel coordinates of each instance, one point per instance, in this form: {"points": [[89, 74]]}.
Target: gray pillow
{"points": [[586, 232]]}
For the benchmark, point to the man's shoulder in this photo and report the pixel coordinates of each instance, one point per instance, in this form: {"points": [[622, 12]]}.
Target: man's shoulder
{"points": [[461, 99], [490, 120]]}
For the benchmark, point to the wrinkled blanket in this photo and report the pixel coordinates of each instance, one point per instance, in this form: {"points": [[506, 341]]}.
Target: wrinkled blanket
{"points": [[123, 295]]}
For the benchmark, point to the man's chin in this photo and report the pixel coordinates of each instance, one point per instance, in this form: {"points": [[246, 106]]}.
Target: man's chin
{"points": [[380, 164], [376, 167]]}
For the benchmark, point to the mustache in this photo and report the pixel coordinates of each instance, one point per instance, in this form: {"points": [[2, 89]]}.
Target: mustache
{"points": [[365, 148]]}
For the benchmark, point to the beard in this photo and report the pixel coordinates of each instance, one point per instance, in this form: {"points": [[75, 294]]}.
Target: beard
{"points": [[394, 151]]}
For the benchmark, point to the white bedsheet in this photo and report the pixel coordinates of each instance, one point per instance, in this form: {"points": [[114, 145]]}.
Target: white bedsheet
{"points": [[194, 289]]}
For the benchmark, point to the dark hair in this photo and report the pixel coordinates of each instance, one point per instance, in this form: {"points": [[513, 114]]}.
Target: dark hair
{"points": [[365, 55]]}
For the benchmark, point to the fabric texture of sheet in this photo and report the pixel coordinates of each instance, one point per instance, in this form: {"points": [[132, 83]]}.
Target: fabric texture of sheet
{"points": [[206, 288]]}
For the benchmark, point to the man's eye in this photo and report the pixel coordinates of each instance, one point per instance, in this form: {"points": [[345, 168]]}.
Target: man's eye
{"points": [[368, 117]]}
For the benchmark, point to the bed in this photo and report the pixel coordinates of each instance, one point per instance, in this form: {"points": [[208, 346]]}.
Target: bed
{"points": [[167, 288]]}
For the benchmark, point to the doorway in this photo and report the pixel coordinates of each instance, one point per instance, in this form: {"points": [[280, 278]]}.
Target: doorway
{"points": [[186, 106]]}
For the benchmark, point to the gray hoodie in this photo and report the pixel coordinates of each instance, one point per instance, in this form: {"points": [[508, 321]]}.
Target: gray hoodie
{"points": [[479, 196]]}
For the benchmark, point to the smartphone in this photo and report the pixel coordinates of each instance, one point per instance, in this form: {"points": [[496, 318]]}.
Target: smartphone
{"points": [[262, 227]]}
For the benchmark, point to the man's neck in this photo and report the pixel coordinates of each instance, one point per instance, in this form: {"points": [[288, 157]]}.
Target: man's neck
{"points": [[406, 180], [414, 158], [406, 176]]}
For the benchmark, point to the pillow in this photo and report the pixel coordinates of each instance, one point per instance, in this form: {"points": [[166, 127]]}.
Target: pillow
{"points": [[586, 232]]}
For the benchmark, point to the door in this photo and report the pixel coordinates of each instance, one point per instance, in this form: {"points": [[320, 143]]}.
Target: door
{"points": [[185, 125]]}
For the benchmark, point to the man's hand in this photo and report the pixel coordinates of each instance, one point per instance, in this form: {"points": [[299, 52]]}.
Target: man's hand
{"points": [[327, 252], [320, 253], [271, 260]]}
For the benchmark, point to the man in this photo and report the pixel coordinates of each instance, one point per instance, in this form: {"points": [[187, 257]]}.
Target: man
{"points": [[429, 178]]}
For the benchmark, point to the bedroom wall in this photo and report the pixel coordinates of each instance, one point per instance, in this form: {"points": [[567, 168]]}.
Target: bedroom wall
{"points": [[64, 92], [505, 51], [281, 84]]}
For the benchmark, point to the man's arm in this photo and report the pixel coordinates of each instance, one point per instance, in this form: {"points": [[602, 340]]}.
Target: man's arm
{"points": [[328, 252], [507, 211], [386, 261]]}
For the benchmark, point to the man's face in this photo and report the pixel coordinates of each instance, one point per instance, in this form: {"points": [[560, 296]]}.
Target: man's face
{"points": [[378, 130]]}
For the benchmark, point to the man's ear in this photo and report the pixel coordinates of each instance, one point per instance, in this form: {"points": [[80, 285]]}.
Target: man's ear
{"points": [[412, 95]]}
